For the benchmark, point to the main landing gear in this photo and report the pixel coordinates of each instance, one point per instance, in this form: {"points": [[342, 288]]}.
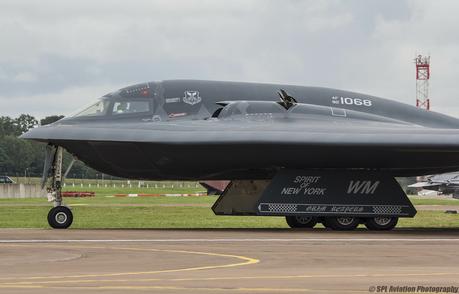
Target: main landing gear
{"points": [[381, 223], [344, 223], [301, 221], [60, 216]]}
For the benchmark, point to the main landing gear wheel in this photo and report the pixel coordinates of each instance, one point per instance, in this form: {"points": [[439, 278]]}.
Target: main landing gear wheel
{"points": [[381, 223], [299, 221], [341, 223], [60, 217]]}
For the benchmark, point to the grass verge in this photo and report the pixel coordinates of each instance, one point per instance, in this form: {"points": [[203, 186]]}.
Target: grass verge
{"points": [[87, 217]]}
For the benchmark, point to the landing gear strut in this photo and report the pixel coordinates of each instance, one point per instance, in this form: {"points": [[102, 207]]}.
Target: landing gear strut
{"points": [[59, 217]]}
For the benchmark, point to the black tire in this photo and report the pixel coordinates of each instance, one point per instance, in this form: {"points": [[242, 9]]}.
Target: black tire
{"points": [[342, 223], [60, 217], [299, 221], [381, 223]]}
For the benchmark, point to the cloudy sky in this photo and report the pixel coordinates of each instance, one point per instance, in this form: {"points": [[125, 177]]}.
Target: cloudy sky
{"points": [[56, 56]]}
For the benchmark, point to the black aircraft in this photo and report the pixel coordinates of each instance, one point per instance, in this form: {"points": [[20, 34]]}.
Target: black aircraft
{"points": [[308, 153]]}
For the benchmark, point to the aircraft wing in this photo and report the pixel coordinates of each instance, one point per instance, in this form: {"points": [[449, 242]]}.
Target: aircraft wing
{"points": [[303, 132]]}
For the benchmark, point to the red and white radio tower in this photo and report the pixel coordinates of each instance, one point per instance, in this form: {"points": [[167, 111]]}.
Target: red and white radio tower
{"points": [[422, 82]]}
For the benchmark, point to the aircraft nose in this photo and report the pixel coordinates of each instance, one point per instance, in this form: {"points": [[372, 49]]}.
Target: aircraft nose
{"points": [[28, 135], [38, 134]]}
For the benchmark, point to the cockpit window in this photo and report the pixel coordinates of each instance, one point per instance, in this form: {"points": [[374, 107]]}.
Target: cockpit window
{"points": [[107, 107], [97, 109], [130, 107]]}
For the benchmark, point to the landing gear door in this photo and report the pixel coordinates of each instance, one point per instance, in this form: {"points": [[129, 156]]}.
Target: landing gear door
{"points": [[323, 193]]}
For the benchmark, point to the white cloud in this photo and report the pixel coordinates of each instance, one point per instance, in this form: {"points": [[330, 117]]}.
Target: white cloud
{"points": [[50, 48], [25, 77], [148, 30], [430, 30], [64, 102]]}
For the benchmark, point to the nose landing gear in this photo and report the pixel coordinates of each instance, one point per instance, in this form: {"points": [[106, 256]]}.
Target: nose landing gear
{"points": [[59, 217]]}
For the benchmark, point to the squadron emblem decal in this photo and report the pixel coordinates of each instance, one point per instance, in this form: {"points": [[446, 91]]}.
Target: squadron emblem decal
{"points": [[192, 97]]}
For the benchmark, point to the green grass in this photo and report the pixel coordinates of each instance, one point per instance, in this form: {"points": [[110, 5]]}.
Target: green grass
{"points": [[101, 200], [430, 219], [135, 217], [417, 201], [103, 212], [88, 217]]}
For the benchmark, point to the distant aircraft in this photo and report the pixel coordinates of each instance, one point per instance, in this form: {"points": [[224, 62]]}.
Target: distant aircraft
{"points": [[307, 153], [447, 183]]}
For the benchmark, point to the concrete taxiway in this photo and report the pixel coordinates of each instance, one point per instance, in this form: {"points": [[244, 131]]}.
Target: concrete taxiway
{"points": [[224, 261]]}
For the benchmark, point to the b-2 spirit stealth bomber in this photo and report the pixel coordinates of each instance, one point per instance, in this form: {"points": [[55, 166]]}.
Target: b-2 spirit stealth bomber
{"points": [[307, 153]]}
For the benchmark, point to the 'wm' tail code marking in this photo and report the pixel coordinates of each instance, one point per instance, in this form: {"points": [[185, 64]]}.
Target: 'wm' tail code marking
{"points": [[362, 187]]}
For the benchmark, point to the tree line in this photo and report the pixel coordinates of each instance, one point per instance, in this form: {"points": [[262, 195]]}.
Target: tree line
{"points": [[20, 157]]}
